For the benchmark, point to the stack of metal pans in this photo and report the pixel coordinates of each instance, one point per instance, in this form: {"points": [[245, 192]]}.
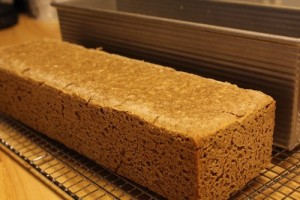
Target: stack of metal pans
{"points": [[253, 46]]}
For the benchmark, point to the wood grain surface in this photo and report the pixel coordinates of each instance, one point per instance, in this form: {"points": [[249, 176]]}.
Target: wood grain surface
{"points": [[29, 29], [16, 182]]}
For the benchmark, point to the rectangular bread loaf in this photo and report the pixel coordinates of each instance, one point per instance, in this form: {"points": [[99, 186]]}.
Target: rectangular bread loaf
{"points": [[181, 135]]}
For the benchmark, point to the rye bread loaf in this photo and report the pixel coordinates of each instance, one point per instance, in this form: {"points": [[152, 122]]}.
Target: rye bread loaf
{"points": [[181, 135]]}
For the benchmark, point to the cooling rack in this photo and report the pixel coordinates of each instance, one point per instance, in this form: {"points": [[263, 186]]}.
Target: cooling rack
{"points": [[81, 178]]}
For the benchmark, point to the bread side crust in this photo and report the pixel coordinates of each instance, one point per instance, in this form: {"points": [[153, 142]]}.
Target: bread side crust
{"points": [[154, 157]]}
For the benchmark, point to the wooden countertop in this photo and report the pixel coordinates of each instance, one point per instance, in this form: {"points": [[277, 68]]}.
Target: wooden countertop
{"points": [[16, 182]]}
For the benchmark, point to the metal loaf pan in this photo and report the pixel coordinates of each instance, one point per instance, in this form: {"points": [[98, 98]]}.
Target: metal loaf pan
{"points": [[253, 46]]}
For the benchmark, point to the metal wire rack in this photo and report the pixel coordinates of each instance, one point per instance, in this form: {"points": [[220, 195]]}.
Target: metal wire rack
{"points": [[81, 178]]}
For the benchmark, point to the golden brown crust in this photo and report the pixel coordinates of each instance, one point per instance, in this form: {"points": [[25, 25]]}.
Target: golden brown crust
{"points": [[138, 87], [149, 123]]}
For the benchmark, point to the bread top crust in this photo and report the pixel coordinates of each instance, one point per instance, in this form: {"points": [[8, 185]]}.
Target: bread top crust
{"points": [[189, 105]]}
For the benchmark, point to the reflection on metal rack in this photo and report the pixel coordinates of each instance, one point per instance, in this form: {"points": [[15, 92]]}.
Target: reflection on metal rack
{"points": [[81, 178], [281, 180]]}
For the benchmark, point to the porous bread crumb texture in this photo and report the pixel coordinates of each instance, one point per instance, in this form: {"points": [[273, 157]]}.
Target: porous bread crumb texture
{"points": [[220, 159], [233, 156]]}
